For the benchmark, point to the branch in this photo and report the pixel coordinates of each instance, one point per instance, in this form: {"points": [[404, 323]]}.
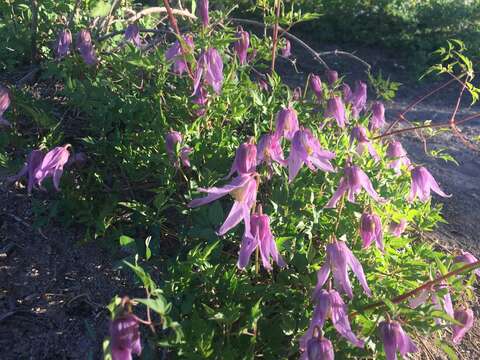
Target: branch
{"points": [[157, 9], [275, 35], [419, 289], [347, 54]]}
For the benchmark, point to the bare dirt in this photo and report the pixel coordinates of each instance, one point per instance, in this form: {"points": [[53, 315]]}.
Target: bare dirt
{"points": [[53, 289]]}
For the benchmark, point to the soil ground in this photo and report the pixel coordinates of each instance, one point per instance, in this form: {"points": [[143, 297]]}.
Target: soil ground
{"points": [[53, 289]]}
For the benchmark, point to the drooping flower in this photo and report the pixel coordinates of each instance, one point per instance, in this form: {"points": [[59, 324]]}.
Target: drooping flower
{"points": [[175, 54], [397, 228], [63, 43], [245, 160], [269, 149], [396, 151], [440, 303], [286, 124], [318, 348], [287, 49], [125, 337], [336, 109], [260, 237], [466, 318], [316, 85], [332, 76], [359, 133], [347, 93], [201, 99], [395, 339], [85, 47], [422, 183], [306, 149], [184, 155], [371, 229], [339, 259], [329, 304], [171, 140], [203, 12], [262, 84], [52, 166], [359, 98], [4, 104], [466, 258], [242, 44], [132, 34], [297, 93], [244, 191], [34, 159], [210, 69], [378, 116], [352, 182]]}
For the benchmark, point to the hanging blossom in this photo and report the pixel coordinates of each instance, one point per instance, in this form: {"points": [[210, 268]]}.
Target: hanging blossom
{"points": [[132, 34], [331, 76], [339, 259], [202, 11], [466, 258], [175, 54], [287, 49], [297, 93], [306, 149], [336, 109], [329, 304], [171, 140], [395, 339], [210, 69], [85, 47], [352, 182], [34, 159], [422, 183], [286, 124], [359, 133], [440, 303], [359, 98], [63, 44], [396, 151], [371, 230], [316, 85], [243, 189], [125, 337], [269, 149], [318, 348], [245, 160], [52, 166], [201, 99], [377, 120], [397, 228], [466, 318], [346, 93], [242, 44], [260, 237], [262, 84], [4, 104]]}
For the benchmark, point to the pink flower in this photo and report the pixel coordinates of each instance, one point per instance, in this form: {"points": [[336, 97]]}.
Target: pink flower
{"points": [[329, 304], [269, 149], [125, 337], [4, 104], [52, 166], [171, 141], [245, 160], [378, 116], [359, 133], [286, 124], [174, 53], [422, 183], [184, 155], [63, 43], [306, 149], [371, 229], [359, 98], [352, 182], [466, 318], [394, 338], [242, 44], [396, 151], [440, 303], [339, 259], [332, 76], [397, 228], [318, 348], [85, 47], [316, 85], [466, 258], [260, 237], [132, 33], [347, 93], [203, 12], [34, 160], [210, 69], [244, 191], [336, 109], [287, 50]]}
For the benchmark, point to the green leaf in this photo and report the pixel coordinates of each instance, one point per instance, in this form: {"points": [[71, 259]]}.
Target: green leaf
{"points": [[101, 8], [159, 304], [447, 349], [126, 240]]}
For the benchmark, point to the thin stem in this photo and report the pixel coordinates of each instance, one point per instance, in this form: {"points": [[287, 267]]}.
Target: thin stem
{"points": [[33, 31], [422, 287], [155, 9], [275, 35]]}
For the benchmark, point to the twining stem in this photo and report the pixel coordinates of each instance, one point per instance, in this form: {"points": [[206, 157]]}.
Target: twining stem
{"points": [[424, 286], [173, 23], [275, 35]]}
